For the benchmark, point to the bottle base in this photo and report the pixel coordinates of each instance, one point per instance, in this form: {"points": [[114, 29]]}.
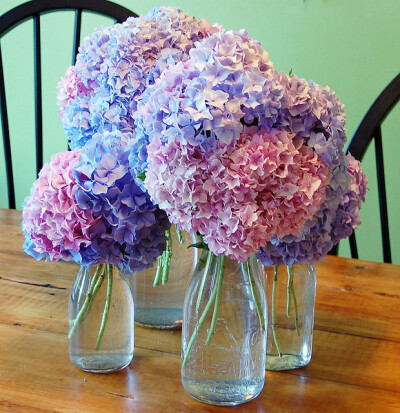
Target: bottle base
{"points": [[223, 393], [101, 363], [286, 362], [160, 318]]}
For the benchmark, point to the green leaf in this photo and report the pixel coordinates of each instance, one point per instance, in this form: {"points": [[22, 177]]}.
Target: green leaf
{"points": [[142, 175], [196, 245], [290, 71], [201, 244]]}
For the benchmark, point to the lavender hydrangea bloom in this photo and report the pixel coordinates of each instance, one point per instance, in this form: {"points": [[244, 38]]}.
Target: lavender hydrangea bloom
{"points": [[201, 107], [348, 214], [316, 114], [115, 65], [307, 110], [327, 227], [205, 98], [131, 230], [307, 248]]}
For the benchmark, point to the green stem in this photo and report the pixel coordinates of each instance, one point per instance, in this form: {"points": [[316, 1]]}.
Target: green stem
{"points": [[291, 293], [164, 262], [203, 280], [296, 317], [97, 279], [81, 274], [99, 282], [220, 276], [273, 313], [179, 235], [200, 323], [288, 294], [167, 258], [106, 306], [157, 278], [254, 294]]}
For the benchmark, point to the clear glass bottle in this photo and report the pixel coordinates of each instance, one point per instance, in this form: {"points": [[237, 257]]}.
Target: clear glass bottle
{"points": [[160, 306], [101, 314], [224, 331], [291, 304]]}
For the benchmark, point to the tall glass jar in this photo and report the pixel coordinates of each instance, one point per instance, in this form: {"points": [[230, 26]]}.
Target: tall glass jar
{"points": [[101, 314], [224, 331], [291, 304], [160, 306]]}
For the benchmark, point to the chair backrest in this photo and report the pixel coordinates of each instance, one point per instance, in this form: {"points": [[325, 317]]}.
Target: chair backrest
{"points": [[33, 10], [368, 130]]}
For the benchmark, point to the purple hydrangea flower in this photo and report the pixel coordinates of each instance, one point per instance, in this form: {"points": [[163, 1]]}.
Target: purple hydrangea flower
{"points": [[131, 231], [231, 148]]}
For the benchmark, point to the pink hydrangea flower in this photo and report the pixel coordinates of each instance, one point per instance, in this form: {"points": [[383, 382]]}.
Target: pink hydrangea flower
{"points": [[52, 220], [288, 179], [238, 195]]}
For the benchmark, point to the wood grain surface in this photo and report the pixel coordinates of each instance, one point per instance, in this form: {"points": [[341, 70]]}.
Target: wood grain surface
{"points": [[355, 364]]}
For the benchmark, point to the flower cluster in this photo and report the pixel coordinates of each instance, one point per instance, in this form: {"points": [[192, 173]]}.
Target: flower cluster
{"points": [[333, 222], [86, 207], [205, 98], [132, 227], [115, 65], [240, 195], [55, 227], [348, 213], [70, 88], [316, 114], [247, 156]]}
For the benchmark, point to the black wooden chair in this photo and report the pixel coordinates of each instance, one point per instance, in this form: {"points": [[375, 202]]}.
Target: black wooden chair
{"points": [[33, 10], [368, 130]]}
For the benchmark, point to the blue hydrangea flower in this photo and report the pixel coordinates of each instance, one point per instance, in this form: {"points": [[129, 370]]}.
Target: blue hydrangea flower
{"points": [[130, 231], [116, 64]]}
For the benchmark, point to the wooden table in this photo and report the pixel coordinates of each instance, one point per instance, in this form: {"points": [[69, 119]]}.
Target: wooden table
{"points": [[355, 364]]}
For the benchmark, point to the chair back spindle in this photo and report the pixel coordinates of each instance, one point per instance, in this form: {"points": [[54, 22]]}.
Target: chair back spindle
{"points": [[380, 175], [368, 130], [33, 10], [38, 94], [77, 33], [6, 138]]}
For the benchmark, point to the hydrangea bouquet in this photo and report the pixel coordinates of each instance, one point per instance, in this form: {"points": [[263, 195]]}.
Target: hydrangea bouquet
{"points": [[176, 120], [249, 157]]}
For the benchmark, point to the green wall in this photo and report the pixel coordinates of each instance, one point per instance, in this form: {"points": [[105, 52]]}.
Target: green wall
{"points": [[350, 45]]}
